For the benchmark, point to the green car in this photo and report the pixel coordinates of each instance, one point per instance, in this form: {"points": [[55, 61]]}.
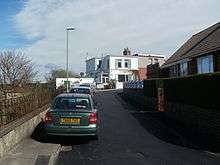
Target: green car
{"points": [[72, 115]]}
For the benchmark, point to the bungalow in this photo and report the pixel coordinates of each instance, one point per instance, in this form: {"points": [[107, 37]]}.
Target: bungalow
{"points": [[200, 54]]}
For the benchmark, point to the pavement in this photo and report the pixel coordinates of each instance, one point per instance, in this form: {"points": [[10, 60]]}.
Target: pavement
{"points": [[31, 152], [124, 140]]}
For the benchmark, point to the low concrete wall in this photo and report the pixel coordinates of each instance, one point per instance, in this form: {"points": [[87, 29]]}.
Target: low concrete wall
{"points": [[15, 131]]}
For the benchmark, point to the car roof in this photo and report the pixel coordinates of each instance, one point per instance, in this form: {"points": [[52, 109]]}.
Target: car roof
{"points": [[81, 87], [73, 95]]}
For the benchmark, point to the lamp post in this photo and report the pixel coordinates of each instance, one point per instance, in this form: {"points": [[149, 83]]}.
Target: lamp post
{"points": [[67, 57]]}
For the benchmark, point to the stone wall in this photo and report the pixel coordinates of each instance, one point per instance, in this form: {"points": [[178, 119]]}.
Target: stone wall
{"points": [[15, 131]]}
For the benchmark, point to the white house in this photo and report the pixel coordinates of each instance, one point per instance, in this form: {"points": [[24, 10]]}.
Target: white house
{"points": [[118, 68], [92, 64], [73, 81]]}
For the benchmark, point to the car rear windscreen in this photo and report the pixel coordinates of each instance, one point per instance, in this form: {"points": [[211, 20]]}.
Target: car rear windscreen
{"points": [[80, 90], [72, 103]]}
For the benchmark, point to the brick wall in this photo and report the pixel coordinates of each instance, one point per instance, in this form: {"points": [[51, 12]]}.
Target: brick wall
{"points": [[142, 73]]}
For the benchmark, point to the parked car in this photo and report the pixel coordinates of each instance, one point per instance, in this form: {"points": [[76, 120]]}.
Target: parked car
{"points": [[99, 86], [85, 85], [72, 115], [91, 86], [82, 90]]}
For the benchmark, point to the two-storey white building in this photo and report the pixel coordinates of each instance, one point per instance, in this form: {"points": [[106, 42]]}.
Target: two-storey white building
{"points": [[121, 68], [118, 68]]}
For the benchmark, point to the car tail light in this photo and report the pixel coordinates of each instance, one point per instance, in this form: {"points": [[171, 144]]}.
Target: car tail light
{"points": [[92, 118], [48, 117]]}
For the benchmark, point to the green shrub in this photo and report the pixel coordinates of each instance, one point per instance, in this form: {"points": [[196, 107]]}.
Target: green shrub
{"points": [[199, 90], [150, 89]]}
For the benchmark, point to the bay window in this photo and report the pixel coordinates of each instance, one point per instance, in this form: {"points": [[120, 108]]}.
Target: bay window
{"points": [[205, 64], [183, 69]]}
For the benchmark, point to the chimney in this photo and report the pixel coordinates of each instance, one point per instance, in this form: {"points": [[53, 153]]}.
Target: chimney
{"points": [[127, 52]]}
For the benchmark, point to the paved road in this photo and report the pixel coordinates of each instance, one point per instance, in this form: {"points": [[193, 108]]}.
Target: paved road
{"points": [[124, 141]]}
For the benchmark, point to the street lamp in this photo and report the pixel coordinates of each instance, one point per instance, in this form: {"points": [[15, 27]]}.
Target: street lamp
{"points": [[67, 57]]}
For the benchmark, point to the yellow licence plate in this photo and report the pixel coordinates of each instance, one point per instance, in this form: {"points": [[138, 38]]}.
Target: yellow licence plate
{"points": [[69, 120]]}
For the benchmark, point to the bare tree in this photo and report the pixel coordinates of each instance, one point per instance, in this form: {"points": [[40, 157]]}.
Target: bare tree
{"points": [[59, 73], [15, 68]]}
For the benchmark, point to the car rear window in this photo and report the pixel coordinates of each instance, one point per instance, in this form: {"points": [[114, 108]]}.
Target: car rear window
{"points": [[80, 90], [72, 103], [84, 85]]}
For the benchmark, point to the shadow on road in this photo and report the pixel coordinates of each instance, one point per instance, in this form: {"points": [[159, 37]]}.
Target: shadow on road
{"points": [[39, 135], [170, 131]]}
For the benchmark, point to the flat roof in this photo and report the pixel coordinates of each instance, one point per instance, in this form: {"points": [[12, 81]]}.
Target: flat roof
{"points": [[88, 59], [149, 55]]}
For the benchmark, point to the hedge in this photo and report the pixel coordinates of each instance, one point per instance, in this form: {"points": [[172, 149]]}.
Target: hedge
{"points": [[150, 88], [199, 90]]}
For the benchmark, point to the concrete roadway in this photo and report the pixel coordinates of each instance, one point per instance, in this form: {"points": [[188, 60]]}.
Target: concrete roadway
{"points": [[124, 141]]}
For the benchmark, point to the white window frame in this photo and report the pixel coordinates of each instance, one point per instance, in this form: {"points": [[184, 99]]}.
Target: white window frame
{"points": [[201, 68], [183, 68], [126, 77], [118, 61], [128, 62]]}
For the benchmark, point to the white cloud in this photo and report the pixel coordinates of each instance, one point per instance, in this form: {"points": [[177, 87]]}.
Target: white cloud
{"points": [[109, 26]]}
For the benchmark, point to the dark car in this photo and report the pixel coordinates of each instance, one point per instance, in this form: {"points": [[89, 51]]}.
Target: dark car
{"points": [[72, 115]]}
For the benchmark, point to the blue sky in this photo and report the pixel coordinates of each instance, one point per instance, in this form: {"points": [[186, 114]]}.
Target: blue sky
{"points": [[9, 36], [37, 27]]}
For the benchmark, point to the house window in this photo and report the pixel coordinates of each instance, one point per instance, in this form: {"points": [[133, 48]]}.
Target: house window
{"points": [[127, 63], [183, 69], [103, 80], [108, 64], [174, 71], [205, 64], [99, 64], [118, 63], [122, 78]]}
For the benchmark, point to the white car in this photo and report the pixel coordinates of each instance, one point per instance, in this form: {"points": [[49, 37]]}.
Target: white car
{"points": [[82, 90]]}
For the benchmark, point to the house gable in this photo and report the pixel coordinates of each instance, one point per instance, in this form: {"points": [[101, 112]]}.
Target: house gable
{"points": [[201, 43]]}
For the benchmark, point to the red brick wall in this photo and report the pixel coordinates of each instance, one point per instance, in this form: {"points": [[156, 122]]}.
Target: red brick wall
{"points": [[142, 73]]}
